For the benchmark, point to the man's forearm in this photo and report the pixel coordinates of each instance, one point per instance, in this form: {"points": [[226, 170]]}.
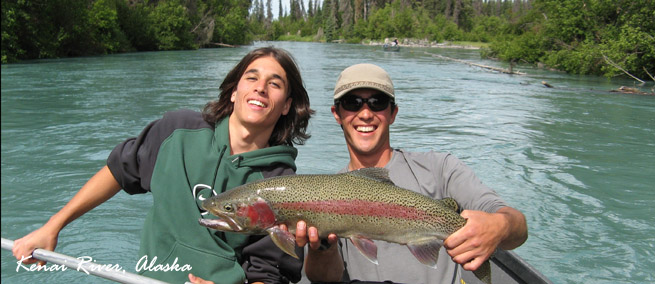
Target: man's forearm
{"points": [[517, 231], [324, 266]]}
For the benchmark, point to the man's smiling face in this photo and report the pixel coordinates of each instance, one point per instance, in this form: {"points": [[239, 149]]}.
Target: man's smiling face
{"points": [[366, 131]]}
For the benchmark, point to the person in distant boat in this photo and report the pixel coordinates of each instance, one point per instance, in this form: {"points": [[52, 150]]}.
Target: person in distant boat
{"points": [[185, 157], [365, 107], [394, 42]]}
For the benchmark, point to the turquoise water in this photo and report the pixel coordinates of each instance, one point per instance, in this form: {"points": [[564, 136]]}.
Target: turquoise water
{"points": [[577, 160]]}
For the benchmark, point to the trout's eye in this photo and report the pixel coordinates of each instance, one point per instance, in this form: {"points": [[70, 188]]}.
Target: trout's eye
{"points": [[228, 207]]}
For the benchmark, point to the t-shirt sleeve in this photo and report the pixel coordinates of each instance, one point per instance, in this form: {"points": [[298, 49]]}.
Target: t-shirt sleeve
{"points": [[463, 185], [132, 162]]}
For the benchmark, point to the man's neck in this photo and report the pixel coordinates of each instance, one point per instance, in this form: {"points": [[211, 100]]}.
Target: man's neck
{"points": [[376, 160], [244, 140]]}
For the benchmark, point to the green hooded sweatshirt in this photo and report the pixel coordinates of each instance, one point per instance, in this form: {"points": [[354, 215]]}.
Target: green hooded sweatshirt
{"points": [[182, 160]]}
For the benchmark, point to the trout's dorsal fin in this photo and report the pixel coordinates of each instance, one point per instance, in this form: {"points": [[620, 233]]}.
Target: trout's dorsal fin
{"points": [[451, 203], [378, 174]]}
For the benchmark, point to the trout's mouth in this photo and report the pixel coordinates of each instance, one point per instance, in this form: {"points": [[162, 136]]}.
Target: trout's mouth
{"points": [[226, 224]]}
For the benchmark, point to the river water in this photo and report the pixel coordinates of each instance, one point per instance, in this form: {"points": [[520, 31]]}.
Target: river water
{"points": [[577, 160]]}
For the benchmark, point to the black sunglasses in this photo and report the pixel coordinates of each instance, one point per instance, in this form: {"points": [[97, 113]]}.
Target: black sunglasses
{"points": [[377, 102]]}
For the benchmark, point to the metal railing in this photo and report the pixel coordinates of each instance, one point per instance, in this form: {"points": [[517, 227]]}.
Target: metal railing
{"points": [[90, 268]]}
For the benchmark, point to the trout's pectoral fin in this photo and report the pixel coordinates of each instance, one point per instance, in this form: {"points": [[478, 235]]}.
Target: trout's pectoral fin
{"points": [[366, 247], [284, 240], [484, 272], [426, 251]]}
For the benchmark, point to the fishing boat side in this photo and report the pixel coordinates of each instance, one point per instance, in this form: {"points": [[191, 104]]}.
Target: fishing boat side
{"points": [[507, 267]]}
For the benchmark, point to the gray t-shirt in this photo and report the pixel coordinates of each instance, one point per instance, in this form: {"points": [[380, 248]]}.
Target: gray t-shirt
{"points": [[438, 175]]}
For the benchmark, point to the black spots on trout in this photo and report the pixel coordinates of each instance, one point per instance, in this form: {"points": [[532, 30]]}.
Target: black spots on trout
{"points": [[452, 204]]}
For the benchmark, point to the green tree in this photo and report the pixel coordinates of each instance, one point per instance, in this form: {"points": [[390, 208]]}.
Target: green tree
{"points": [[231, 18], [379, 25], [171, 26], [403, 21], [107, 34], [135, 23], [14, 30], [330, 20]]}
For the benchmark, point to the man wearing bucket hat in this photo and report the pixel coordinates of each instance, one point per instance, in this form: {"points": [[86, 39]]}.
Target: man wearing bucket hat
{"points": [[364, 106]]}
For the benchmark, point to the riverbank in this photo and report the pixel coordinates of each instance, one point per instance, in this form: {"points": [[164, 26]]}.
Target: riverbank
{"points": [[406, 42], [426, 43]]}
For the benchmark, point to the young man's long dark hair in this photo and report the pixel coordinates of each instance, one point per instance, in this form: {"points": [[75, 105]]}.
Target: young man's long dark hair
{"points": [[290, 129]]}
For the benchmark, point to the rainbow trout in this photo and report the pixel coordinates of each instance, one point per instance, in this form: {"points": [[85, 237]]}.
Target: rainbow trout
{"points": [[361, 205]]}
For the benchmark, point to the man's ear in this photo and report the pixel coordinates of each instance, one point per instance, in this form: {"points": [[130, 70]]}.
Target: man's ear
{"points": [[287, 106], [335, 112], [394, 112]]}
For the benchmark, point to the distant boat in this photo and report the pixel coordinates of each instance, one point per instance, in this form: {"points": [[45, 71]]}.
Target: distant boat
{"points": [[388, 47]]}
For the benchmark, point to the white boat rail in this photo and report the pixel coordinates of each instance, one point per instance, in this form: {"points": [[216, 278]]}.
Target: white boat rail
{"points": [[90, 268]]}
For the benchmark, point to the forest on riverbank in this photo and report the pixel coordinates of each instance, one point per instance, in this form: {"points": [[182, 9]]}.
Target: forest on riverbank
{"points": [[599, 37]]}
